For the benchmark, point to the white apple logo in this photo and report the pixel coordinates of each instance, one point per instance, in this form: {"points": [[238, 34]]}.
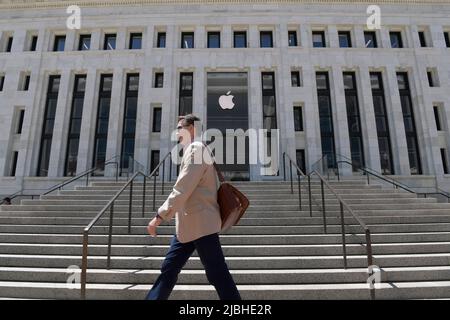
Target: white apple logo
{"points": [[226, 101]]}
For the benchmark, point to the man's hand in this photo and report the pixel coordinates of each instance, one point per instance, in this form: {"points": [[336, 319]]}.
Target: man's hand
{"points": [[151, 228]]}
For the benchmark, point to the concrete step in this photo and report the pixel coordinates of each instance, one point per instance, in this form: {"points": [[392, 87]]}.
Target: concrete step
{"points": [[226, 239], [229, 250], [242, 230], [31, 218], [253, 201], [236, 262], [279, 276], [394, 290]]}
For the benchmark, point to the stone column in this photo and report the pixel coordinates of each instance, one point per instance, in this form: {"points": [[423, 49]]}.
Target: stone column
{"points": [[88, 122], [396, 125], [113, 146], [368, 122], [339, 109]]}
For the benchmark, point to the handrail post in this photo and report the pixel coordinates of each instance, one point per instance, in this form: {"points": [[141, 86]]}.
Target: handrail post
{"points": [[369, 259], [163, 166], [129, 206], [338, 171], [111, 214], [170, 166], [292, 186], [344, 249], [117, 171], [299, 191], [368, 179], [154, 191], [323, 207], [87, 179], [84, 265], [310, 197], [143, 196], [284, 166]]}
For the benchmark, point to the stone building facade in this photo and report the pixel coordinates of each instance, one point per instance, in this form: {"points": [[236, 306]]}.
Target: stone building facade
{"points": [[71, 98]]}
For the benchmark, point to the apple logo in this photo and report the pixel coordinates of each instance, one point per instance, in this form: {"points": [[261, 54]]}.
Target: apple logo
{"points": [[226, 101]]}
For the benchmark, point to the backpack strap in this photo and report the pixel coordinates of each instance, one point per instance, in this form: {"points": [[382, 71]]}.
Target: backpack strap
{"points": [[219, 173]]}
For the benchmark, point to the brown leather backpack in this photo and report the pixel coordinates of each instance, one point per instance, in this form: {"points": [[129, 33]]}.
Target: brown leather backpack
{"points": [[232, 202]]}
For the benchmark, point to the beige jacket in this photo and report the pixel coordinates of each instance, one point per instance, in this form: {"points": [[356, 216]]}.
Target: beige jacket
{"points": [[193, 199]]}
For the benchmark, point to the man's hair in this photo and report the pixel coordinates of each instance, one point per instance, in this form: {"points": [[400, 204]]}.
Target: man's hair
{"points": [[188, 119]]}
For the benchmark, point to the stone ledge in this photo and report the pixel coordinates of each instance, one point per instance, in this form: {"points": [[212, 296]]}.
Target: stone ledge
{"points": [[24, 4]]}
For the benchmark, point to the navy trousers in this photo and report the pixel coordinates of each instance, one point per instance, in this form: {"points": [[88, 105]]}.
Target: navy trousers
{"points": [[211, 256]]}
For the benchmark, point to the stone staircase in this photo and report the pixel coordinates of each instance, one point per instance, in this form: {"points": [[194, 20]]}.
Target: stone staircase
{"points": [[276, 252]]}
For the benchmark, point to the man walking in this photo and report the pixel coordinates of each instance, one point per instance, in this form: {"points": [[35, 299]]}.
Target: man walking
{"points": [[193, 202]]}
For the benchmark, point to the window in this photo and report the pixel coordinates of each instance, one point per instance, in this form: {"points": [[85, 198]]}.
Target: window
{"points": [[345, 40], [135, 41], [157, 112], [9, 44], [432, 77], [85, 42], [154, 161], [101, 129], [396, 39], [2, 82], [437, 118], [33, 43], [76, 114], [353, 119], [269, 107], [15, 155], [129, 121], [381, 120], [20, 121], [300, 159], [60, 42], [444, 161], [213, 39], [292, 38], [110, 42], [240, 39], [447, 39], [47, 127], [266, 39], [187, 40], [298, 118], [318, 38], [370, 39], [295, 79], [423, 42], [26, 82], [409, 123], [185, 100], [159, 79], [325, 118], [161, 42]]}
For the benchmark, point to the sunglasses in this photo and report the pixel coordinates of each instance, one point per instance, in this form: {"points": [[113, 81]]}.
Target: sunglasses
{"points": [[181, 127]]}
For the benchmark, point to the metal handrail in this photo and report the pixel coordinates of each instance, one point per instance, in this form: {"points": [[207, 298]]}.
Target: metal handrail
{"points": [[299, 173], [110, 206], [394, 182], [343, 205], [19, 194], [81, 175]]}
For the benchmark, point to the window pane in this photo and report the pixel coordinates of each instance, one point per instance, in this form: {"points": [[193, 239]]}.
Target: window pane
{"points": [[186, 82], [266, 39], [187, 40], [349, 81], [267, 81], [370, 39], [344, 40], [161, 40], [318, 39], [269, 106], [107, 83], [213, 40], [240, 40], [375, 81], [136, 41], [321, 80], [133, 83]]}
